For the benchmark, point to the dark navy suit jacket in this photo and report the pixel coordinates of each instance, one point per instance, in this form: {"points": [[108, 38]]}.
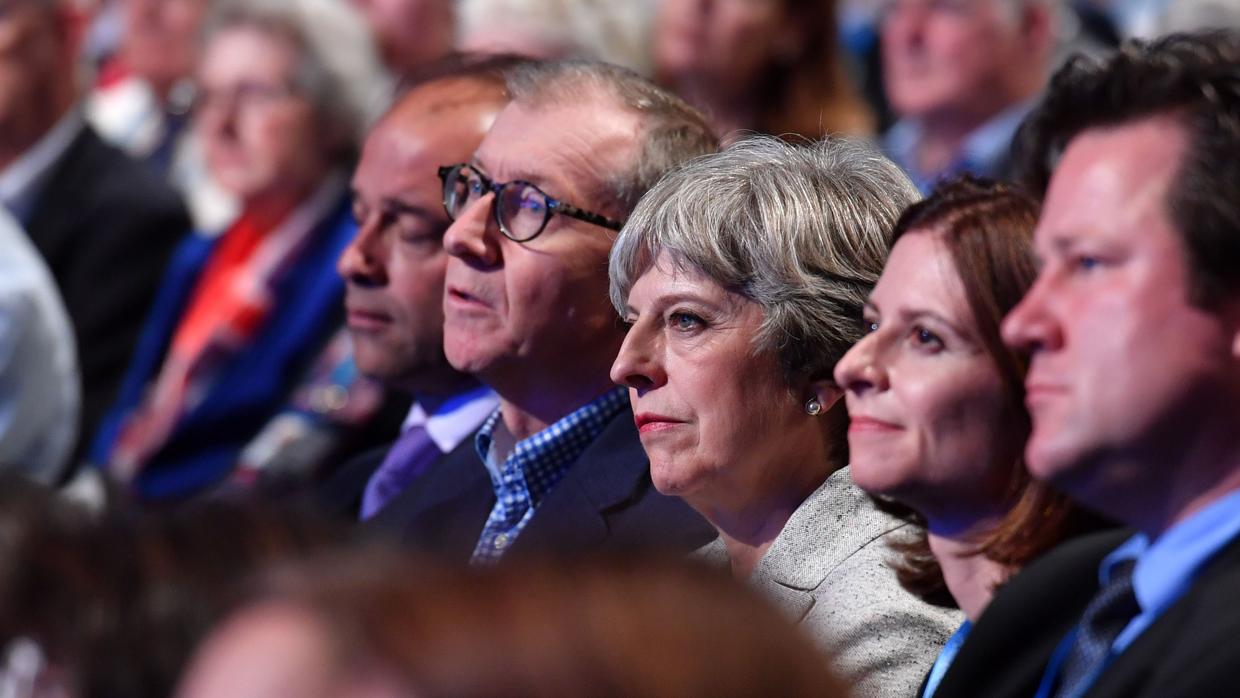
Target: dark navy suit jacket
{"points": [[253, 384], [1191, 650], [606, 501]]}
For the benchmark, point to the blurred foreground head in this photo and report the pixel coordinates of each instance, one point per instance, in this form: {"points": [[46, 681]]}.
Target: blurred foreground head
{"points": [[113, 605], [384, 626]]}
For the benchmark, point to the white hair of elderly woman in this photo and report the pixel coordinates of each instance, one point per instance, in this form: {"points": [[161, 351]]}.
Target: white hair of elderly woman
{"points": [[340, 69], [801, 229], [614, 32]]}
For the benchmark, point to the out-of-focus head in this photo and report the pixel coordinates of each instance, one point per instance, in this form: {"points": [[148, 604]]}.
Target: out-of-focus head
{"points": [[593, 138], [394, 268], [162, 39], [411, 33], [742, 277], [362, 626], [1134, 320], [614, 32], [963, 61], [115, 605], [286, 91], [768, 65], [38, 54], [728, 44]]}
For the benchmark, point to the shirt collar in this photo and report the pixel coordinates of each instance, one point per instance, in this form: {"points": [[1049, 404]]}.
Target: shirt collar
{"points": [[980, 153], [538, 461], [1167, 566], [22, 180], [449, 421]]}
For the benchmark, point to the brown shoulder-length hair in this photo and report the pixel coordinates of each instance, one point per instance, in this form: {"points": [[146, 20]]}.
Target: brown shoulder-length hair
{"points": [[809, 93], [987, 228]]}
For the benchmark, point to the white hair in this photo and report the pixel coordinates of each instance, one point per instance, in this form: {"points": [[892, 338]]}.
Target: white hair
{"points": [[605, 30], [801, 230], [339, 67]]}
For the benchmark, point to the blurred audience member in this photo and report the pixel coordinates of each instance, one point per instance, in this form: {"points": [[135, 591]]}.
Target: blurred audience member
{"points": [[287, 89], [40, 387], [384, 626], [558, 467], [614, 32], [114, 606], [143, 99], [411, 34], [1133, 325], [103, 223], [394, 275], [935, 399], [1195, 15], [771, 66], [741, 277], [960, 76]]}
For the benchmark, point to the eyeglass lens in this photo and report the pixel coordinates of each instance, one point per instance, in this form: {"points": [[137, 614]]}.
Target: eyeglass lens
{"points": [[520, 208]]}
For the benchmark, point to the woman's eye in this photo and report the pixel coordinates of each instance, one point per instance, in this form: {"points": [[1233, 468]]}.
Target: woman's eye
{"points": [[869, 326], [925, 338], [686, 322]]}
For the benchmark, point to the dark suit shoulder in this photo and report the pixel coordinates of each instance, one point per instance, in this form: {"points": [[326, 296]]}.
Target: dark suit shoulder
{"points": [[1190, 650], [607, 501], [1008, 648]]}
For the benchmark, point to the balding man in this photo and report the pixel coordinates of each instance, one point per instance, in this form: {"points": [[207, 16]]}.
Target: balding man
{"points": [[558, 468], [960, 76], [394, 274]]}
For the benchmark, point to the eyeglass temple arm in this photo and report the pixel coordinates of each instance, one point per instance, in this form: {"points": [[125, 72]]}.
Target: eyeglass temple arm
{"points": [[579, 214]]}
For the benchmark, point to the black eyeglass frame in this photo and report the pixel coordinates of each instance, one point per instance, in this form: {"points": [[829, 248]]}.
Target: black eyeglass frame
{"points": [[553, 207]]}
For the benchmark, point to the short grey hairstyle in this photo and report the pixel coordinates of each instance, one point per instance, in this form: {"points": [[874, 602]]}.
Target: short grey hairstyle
{"points": [[672, 132], [339, 69], [801, 230]]}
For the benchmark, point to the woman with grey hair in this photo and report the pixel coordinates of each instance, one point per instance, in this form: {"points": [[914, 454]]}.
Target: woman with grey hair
{"points": [[742, 277], [286, 91]]}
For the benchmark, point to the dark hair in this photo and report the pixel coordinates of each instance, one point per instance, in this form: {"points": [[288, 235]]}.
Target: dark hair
{"points": [[810, 93], [586, 627], [987, 228], [117, 603], [1194, 78]]}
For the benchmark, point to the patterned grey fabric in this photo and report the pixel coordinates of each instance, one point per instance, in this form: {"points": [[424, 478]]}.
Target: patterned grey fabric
{"points": [[828, 569]]}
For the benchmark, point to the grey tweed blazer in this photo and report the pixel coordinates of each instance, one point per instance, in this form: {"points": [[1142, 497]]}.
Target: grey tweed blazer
{"points": [[828, 570]]}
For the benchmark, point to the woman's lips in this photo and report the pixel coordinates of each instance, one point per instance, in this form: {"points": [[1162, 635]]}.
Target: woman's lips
{"points": [[649, 422], [870, 424]]}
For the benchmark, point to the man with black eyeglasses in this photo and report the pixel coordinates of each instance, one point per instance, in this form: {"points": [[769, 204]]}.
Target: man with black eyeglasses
{"points": [[558, 468]]}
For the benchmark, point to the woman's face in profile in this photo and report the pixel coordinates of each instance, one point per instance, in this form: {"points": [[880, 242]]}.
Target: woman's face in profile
{"points": [[929, 422], [717, 418]]}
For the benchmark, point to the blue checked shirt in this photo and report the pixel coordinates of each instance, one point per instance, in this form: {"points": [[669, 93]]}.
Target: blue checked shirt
{"points": [[535, 466]]}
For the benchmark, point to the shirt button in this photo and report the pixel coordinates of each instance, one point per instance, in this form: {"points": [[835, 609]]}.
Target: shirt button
{"points": [[501, 541]]}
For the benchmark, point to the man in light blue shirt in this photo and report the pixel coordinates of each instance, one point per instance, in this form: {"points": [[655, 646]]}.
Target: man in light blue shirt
{"points": [[960, 75], [1133, 326]]}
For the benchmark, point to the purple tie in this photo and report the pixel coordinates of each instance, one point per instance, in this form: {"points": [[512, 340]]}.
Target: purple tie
{"points": [[410, 455]]}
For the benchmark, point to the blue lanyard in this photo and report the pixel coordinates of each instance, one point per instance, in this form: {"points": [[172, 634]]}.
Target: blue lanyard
{"points": [[945, 658]]}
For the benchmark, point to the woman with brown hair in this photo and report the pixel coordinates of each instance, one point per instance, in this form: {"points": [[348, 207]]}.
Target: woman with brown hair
{"points": [[936, 400], [771, 66]]}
